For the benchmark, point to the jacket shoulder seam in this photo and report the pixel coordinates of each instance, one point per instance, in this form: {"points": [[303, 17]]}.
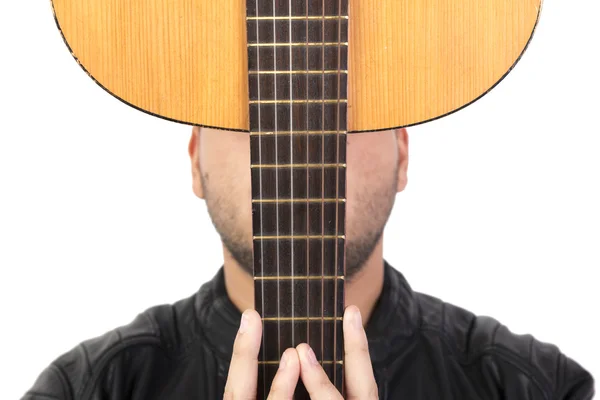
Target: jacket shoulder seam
{"points": [[64, 384], [153, 324], [64, 379], [109, 354], [582, 378]]}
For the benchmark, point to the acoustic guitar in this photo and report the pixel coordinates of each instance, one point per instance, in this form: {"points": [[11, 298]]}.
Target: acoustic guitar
{"points": [[298, 76]]}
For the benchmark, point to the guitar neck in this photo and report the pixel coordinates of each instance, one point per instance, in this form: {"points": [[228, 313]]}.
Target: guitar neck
{"points": [[297, 63]]}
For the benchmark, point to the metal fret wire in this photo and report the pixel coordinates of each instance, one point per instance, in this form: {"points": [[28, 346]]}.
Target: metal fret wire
{"points": [[272, 133], [298, 43], [324, 362], [295, 200], [295, 101], [321, 236], [308, 165], [299, 71], [292, 277], [308, 17]]}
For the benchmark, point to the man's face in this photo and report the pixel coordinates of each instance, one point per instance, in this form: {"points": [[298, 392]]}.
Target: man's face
{"points": [[376, 170]]}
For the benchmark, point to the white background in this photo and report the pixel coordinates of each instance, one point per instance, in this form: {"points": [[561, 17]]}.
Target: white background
{"points": [[98, 220]]}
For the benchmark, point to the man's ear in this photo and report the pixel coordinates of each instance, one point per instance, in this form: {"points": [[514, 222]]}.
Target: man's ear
{"points": [[402, 140], [194, 151]]}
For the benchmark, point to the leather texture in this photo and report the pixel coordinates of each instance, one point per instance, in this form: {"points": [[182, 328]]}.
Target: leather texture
{"points": [[421, 348]]}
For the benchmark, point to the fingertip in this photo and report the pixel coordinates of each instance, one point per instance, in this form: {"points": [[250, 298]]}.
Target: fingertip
{"points": [[352, 319], [250, 322], [303, 350], [252, 315], [290, 360], [351, 309], [287, 376], [302, 347], [247, 341]]}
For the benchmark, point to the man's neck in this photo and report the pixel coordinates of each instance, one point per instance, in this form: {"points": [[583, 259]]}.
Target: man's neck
{"points": [[362, 291]]}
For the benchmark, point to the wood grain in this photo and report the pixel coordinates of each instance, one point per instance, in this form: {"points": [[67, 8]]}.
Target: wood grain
{"points": [[186, 60]]}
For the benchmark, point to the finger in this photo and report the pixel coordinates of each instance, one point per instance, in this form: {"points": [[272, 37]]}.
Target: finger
{"points": [[243, 370], [313, 376], [286, 379], [360, 381]]}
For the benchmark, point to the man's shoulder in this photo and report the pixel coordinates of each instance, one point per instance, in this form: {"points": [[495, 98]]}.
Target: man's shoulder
{"points": [[484, 341], [68, 376], [161, 331]]}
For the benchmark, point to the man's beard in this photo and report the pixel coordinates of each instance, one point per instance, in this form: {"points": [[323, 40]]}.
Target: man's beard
{"points": [[371, 215]]}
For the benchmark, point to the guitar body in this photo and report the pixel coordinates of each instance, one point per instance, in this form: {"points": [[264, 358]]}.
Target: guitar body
{"points": [[187, 61]]}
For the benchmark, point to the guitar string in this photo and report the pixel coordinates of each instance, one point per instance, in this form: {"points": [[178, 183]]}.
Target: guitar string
{"points": [[322, 180], [337, 203], [292, 282], [307, 192], [260, 189], [276, 181]]}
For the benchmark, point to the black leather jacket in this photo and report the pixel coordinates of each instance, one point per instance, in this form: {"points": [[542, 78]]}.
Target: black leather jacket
{"points": [[421, 348]]}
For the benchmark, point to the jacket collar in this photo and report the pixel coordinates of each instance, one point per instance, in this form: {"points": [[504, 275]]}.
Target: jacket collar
{"points": [[393, 321]]}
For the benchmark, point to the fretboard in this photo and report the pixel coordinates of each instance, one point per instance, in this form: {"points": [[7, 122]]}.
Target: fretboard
{"points": [[297, 62]]}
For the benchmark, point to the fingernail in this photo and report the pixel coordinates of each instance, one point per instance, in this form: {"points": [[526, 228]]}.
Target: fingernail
{"points": [[311, 357], [357, 319], [243, 324], [282, 362]]}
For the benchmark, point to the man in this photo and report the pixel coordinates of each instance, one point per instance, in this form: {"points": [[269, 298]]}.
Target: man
{"points": [[399, 344]]}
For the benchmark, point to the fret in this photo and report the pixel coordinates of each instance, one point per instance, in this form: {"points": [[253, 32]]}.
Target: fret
{"points": [[319, 334], [286, 300], [311, 58], [300, 117], [321, 44], [298, 133], [290, 220], [302, 258], [298, 17], [297, 237], [264, 166], [277, 319], [294, 277], [287, 149], [333, 71], [301, 32], [314, 88], [283, 101], [267, 372], [281, 8], [298, 201], [334, 186], [276, 362]]}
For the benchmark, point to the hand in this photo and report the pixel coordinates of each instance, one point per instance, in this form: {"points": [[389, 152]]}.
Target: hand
{"points": [[300, 363]]}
